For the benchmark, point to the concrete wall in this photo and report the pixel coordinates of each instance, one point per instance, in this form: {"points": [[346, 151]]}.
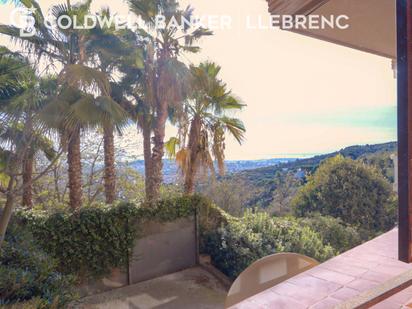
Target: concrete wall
{"points": [[161, 248]]}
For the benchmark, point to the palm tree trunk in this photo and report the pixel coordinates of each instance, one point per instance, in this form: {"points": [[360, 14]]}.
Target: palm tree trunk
{"points": [[147, 153], [156, 177], [109, 167], [28, 181], [190, 179], [27, 167], [75, 170], [153, 159], [193, 146]]}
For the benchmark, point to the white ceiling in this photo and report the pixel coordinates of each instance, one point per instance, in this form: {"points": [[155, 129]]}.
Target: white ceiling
{"points": [[372, 22]]}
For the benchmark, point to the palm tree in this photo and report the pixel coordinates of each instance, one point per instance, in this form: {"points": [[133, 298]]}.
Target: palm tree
{"points": [[83, 92], [137, 85], [44, 145], [110, 47], [165, 77], [26, 107], [203, 138], [14, 133]]}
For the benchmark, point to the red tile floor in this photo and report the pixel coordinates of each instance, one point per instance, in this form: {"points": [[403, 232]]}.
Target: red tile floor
{"points": [[340, 279]]}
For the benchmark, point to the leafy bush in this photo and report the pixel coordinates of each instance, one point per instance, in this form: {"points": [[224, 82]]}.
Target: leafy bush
{"points": [[34, 303], [94, 240], [28, 274], [89, 242], [238, 244], [170, 209], [334, 232], [349, 190]]}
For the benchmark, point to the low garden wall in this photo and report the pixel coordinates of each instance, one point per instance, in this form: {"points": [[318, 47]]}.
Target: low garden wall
{"points": [[162, 248], [111, 247]]}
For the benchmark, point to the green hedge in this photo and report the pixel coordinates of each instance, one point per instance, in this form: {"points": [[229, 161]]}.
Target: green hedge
{"points": [[94, 240], [240, 242], [29, 274]]}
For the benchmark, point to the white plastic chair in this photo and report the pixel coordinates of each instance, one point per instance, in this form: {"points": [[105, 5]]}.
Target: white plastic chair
{"points": [[266, 273]]}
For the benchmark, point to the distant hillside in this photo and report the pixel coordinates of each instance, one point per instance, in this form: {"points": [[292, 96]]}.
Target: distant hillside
{"points": [[170, 170], [268, 184], [309, 164], [258, 171]]}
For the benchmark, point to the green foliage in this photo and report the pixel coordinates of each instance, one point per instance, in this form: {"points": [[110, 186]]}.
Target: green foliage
{"points": [[170, 209], [130, 184], [27, 273], [37, 303], [231, 196], [89, 242], [334, 232], [383, 162], [264, 183], [240, 242], [349, 190], [286, 186], [94, 240]]}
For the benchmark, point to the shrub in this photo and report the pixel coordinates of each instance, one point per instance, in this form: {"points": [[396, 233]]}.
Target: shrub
{"points": [[89, 242], [334, 232], [170, 209], [28, 274], [349, 190], [94, 240], [34, 303], [238, 244]]}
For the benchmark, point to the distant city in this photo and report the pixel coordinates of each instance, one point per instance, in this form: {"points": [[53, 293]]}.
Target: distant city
{"points": [[170, 170]]}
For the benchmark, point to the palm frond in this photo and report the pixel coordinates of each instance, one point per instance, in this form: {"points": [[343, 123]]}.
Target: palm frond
{"points": [[235, 127], [85, 78], [218, 147], [196, 35], [182, 157], [171, 146], [146, 9]]}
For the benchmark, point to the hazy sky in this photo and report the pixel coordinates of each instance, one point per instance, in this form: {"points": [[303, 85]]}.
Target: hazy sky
{"points": [[303, 95]]}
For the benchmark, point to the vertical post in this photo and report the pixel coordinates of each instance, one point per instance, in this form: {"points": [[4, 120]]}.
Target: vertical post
{"points": [[404, 66]]}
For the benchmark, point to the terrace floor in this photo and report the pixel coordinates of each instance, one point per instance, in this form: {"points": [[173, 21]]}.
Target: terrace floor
{"points": [[190, 288], [339, 279]]}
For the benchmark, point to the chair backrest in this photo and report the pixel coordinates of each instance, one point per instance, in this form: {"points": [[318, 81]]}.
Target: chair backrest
{"points": [[266, 273]]}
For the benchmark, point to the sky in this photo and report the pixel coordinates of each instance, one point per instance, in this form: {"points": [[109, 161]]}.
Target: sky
{"points": [[303, 96]]}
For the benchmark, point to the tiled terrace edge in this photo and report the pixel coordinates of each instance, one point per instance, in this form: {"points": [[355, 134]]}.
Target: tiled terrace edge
{"points": [[340, 279]]}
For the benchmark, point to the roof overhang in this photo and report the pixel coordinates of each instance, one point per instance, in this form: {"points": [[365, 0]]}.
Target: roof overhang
{"points": [[372, 23]]}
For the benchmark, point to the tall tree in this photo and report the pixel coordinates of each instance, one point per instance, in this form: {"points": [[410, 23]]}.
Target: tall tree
{"points": [[15, 135], [135, 92], [165, 76], [83, 93], [110, 47], [26, 107], [202, 133]]}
